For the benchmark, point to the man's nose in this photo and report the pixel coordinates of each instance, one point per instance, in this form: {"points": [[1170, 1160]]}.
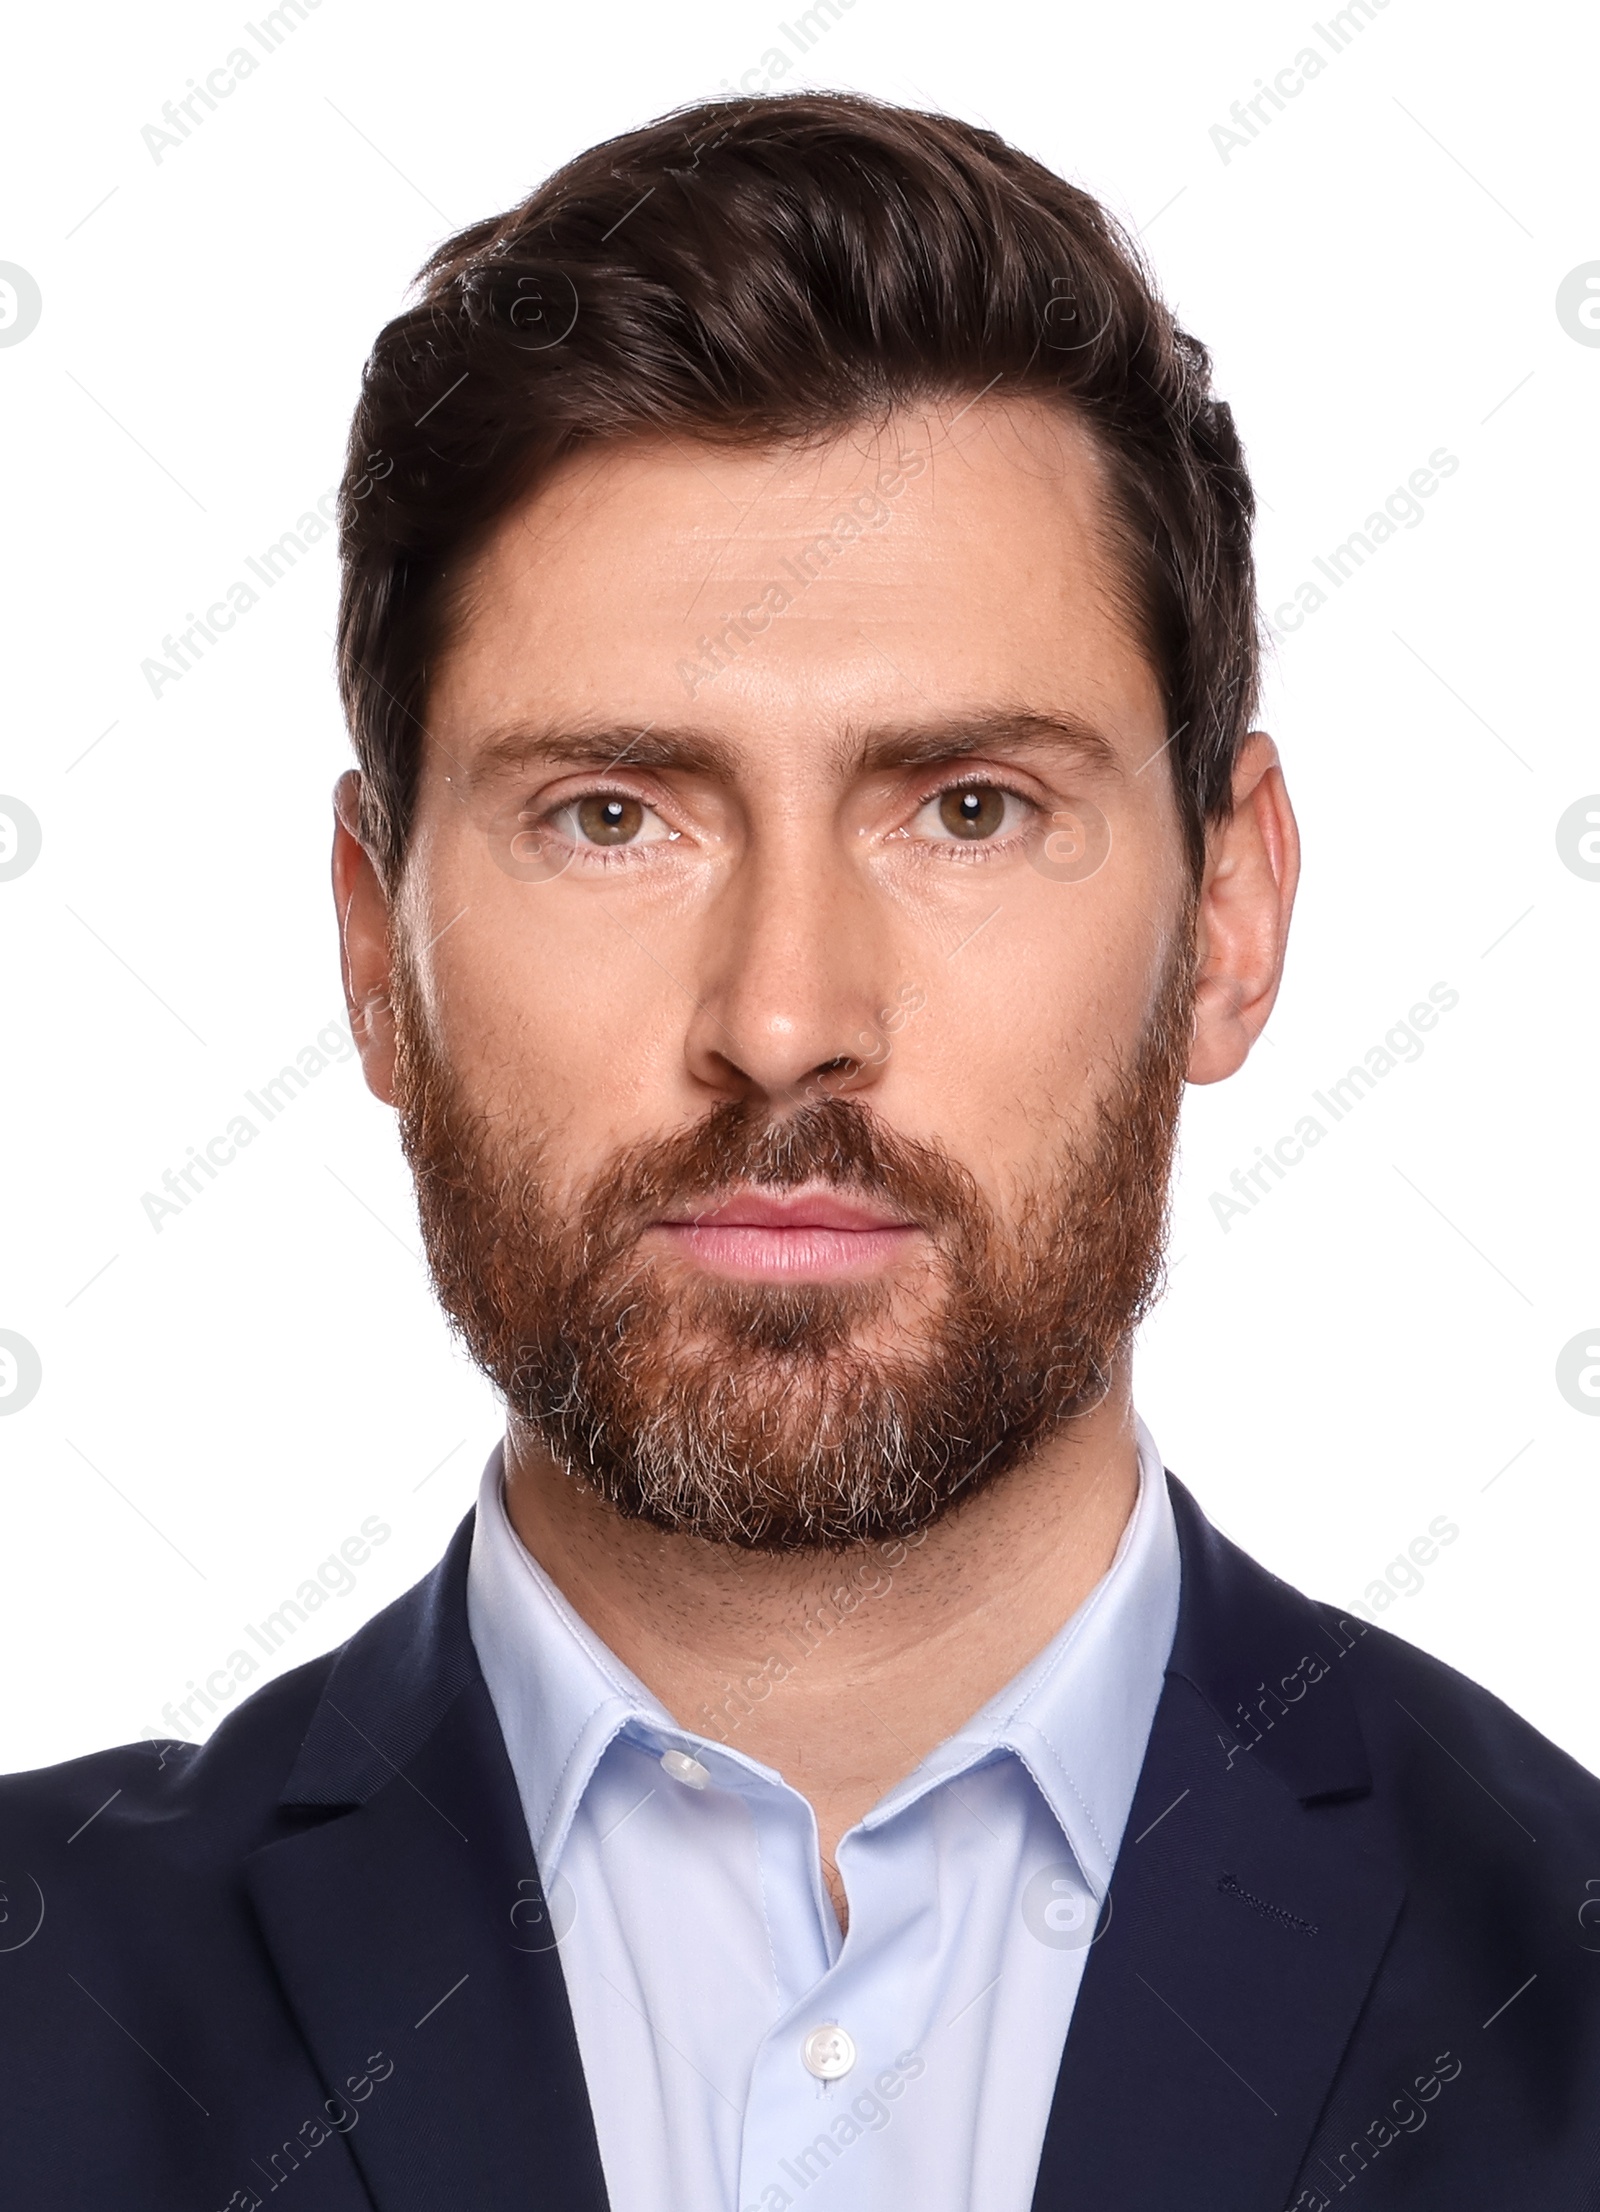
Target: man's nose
{"points": [[794, 977]]}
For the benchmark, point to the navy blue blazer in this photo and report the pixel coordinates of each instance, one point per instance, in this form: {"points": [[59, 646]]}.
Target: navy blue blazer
{"points": [[1354, 1945]]}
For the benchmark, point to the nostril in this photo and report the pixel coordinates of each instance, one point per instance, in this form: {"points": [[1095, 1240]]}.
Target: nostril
{"points": [[826, 1080]]}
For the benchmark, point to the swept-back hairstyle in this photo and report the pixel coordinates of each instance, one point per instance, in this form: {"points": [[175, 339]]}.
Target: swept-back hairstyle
{"points": [[771, 270]]}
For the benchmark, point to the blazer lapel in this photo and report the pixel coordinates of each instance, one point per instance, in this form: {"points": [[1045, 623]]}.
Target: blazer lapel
{"points": [[1254, 1894], [405, 1919]]}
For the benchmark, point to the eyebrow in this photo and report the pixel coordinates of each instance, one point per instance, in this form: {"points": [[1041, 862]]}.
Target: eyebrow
{"points": [[985, 730], [526, 745], [872, 750]]}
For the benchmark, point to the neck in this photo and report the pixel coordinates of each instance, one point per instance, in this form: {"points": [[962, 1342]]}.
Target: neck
{"points": [[841, 1670]]}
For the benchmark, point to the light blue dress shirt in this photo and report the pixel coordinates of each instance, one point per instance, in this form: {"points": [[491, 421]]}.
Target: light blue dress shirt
{"points": [[742, 2055]]}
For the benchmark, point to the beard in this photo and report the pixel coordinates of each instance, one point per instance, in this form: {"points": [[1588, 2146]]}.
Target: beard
{"points": [[791, 1416]]}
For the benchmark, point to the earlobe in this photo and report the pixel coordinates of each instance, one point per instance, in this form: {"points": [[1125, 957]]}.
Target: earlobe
{"points": [[1246, 897], [362, 907]]}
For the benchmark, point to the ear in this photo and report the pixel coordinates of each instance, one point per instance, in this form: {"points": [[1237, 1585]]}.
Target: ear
{"points": [[1246, 897], [362, 906]]}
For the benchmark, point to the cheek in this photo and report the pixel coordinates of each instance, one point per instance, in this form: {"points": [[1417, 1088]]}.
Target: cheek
{"points": [[1027, 1029], [543, 1005], [1062, 982]]}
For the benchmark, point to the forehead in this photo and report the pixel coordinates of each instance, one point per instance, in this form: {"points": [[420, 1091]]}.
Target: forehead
{"points": [[959, 554]]}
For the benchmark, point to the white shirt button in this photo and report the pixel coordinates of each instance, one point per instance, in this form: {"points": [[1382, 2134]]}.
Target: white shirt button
{"points": [[685, 1769], [828, 2052]]}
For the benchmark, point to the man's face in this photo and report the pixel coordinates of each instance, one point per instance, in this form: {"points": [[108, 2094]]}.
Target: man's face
{"points": [[792, 1015]]}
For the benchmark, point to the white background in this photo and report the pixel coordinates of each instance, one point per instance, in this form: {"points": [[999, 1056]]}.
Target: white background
{"points": [[1373, 1346]]}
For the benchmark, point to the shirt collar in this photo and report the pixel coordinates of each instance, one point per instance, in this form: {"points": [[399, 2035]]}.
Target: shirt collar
{"points": [[1077, 1717], [560, 1694]]}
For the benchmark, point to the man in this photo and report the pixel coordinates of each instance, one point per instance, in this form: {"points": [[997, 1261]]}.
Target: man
{"points": [[798, 636]]}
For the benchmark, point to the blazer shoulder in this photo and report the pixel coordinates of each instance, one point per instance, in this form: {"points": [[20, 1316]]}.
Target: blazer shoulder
{"points": [[1419, 1715], [1338, 1706], [379, 1692], [227, 1783]]}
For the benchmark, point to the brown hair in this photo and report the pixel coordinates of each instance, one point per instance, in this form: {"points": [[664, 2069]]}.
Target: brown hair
{"points": [[768, 270]]}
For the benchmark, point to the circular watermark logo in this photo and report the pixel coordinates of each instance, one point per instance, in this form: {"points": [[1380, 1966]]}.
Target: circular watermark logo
{"points": [[1073, 843], [21, 1372], [1578, 1371], [1068, 326], [526, 851], [541, 1918], [1058, 1910], [542, 309], [21, 1910], [1578, 303], [21, 302], [1589, 1916], [21, 838], [1577, 837]]}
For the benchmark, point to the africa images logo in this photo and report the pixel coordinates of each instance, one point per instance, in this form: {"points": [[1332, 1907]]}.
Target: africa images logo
{"points": [[1578, 303], [21, 304]]}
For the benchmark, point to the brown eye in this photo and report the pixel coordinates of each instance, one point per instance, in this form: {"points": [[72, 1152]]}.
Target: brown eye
{"points": [[976, 811], [609, 820]]}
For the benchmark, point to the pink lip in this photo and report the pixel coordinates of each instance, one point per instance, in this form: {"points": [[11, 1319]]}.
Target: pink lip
{"points": [[792, 1235]]}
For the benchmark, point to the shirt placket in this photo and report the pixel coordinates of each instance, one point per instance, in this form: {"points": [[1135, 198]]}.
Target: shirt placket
{"points": [[807, 2062]]}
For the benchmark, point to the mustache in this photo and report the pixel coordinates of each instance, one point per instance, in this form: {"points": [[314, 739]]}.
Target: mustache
{"points": [[837, 1142]]}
